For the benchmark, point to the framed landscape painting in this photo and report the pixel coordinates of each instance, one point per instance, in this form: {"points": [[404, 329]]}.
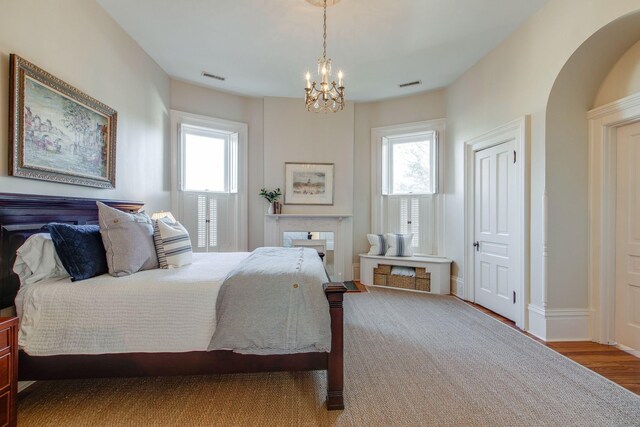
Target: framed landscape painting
{"points": [[308, 184], [57, 132]]}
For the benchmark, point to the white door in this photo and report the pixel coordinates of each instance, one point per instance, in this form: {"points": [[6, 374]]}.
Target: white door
{"points": [[495, 222], [627, 302]]}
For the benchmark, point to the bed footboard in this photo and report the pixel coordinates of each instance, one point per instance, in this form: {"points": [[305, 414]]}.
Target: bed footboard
{"points": [[335, 362]]}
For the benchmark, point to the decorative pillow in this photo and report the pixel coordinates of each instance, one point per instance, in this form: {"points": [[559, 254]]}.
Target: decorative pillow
{"points": [[80, 249], [399, 244], [378, 244], [128, 240], [173, 244], [37, 260], [398, 270]]}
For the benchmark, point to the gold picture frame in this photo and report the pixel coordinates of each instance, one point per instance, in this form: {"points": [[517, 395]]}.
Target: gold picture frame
{"points": [[308, 183], [57, 132]]}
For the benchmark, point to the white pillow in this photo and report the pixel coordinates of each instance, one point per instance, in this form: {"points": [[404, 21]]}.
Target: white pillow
{"points": [[173, 244], [378, 244], [398, 270], [128, 240], [399, 244], [37, 260]]}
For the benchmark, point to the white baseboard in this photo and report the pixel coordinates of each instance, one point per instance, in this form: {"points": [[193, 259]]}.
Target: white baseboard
{"points": [[457, 287], [569, 324], [537, 323], [629, 350], [356, 271]]}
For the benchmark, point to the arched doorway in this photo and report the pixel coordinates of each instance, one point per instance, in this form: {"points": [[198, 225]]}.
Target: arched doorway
{"points": [[577, 269]]}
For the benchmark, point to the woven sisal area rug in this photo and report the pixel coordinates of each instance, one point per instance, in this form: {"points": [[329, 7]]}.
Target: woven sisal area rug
{"points": [[411, 359]]}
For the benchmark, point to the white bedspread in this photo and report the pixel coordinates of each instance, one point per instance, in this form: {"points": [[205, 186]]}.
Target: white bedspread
{"points": [[157, 310]]}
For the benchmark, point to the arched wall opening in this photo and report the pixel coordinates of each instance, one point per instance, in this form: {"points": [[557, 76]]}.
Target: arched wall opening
{"points": [[567, 170], [623, 80]]}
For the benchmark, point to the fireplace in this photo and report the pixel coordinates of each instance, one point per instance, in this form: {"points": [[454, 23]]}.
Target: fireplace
{"points": [[330, 234]]}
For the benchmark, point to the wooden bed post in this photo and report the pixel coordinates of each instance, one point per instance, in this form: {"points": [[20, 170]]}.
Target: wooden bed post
{"points": [[335, 361]]}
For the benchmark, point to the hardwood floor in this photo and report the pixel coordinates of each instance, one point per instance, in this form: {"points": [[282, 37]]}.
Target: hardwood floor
{"points": [[610, 362]]}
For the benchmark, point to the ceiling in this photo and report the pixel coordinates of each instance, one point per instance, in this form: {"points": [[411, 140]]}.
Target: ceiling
{"points": [[264, 47]]}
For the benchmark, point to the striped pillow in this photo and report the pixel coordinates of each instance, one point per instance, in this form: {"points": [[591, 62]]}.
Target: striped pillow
{"points": [[378, 244], [173, 244], [399, 244]]}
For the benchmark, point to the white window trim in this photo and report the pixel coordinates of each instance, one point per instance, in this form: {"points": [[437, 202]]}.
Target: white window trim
{"points": [[206, 132], [389, 142], [242, 130], [377, 134]]}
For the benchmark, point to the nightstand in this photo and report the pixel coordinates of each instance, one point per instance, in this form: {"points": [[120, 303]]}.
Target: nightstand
{"points": [[8, 370]]}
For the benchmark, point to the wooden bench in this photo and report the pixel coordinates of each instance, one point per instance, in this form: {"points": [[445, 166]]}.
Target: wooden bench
{"points": [[438, 269]]}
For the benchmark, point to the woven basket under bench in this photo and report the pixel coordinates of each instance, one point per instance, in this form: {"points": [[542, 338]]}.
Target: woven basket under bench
{"points": [[421, 282]]}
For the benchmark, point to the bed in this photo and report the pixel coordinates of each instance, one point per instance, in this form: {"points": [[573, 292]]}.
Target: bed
{"points": [[184, 349]]}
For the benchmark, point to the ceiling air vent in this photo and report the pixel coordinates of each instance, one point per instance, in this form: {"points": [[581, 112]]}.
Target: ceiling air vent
{"points": [[213, 76], [417, 82]]}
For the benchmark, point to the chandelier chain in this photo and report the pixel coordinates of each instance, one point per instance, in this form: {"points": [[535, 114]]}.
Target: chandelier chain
{"points": [[324, 37]]}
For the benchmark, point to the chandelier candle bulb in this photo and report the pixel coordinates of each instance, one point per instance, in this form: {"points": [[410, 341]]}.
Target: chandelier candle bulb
{"points": [[340, 78]]}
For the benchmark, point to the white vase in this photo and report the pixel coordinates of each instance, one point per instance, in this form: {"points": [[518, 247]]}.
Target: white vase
{"points": [[271, 210]]}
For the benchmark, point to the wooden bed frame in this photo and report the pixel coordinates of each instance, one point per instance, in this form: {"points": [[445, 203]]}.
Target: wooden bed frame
{"points": [[22, 215]]}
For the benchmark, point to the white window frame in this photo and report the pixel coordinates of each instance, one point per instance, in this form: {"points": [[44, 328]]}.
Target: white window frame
{"points": [[210, 133], [387, 160], [378, 179], [235, 130]]}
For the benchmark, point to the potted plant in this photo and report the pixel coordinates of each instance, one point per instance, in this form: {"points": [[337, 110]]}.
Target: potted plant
{"points": [[272, 197]]}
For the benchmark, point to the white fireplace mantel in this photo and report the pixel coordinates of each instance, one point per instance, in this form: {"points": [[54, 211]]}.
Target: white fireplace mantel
{"points": [[339, 217], [340, 224]]}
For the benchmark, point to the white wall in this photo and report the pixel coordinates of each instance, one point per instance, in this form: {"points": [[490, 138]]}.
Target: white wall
{"points": [[567, 155], [514, 80], [77, 41], [424, 106], [292, 134], [194, 99], [623, 79], [280, 130]]}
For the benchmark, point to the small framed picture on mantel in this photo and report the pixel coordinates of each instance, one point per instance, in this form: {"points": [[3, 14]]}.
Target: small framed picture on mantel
{"points": [[308, 183]]}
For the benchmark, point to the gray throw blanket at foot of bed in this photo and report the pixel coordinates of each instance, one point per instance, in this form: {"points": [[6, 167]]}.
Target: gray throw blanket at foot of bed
{"points": [[274, 303]]}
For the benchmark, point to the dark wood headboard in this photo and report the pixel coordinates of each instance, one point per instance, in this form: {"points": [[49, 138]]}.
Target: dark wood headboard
{"points": [[22, 215]]}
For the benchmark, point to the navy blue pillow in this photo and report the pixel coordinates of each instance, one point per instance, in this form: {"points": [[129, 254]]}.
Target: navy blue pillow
{"points": [[80, 249]]}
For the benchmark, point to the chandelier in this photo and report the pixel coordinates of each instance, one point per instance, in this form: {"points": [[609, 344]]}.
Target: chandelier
{"points": [[324, 97]]}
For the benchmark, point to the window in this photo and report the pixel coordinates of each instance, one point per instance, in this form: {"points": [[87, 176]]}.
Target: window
{"points": [[406, 198], [207, 160], [409, 164], [209, 181]]}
